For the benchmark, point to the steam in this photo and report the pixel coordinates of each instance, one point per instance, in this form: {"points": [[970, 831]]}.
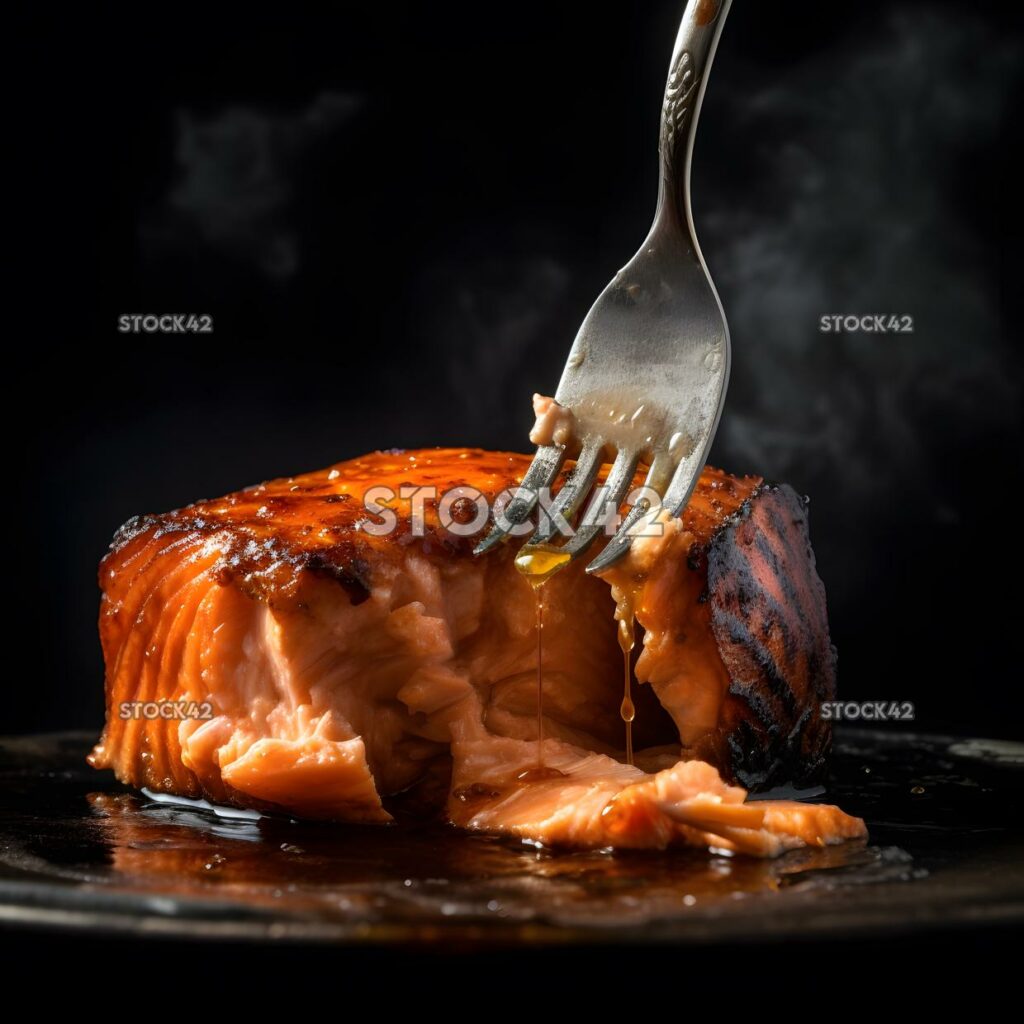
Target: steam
{"points": [[236, 181], [855, 156]]}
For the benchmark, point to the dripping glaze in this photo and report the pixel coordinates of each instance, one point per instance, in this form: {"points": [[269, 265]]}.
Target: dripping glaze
{"points": [[537, 566]]}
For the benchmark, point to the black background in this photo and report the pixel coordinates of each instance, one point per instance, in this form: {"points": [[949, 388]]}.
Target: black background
{"points": [[397, 215]]}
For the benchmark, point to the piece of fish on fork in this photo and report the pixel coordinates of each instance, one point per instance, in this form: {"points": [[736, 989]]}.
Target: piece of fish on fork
{"points": [[646, 376]]}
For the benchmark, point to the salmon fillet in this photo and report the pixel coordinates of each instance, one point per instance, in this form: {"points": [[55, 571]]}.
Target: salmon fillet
{"points": [[316, 666]]}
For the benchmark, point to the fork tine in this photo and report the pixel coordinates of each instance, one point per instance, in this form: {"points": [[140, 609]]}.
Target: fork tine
{"points": [[657, 477], [614, 491], [683, 482], [572, 494], [620, 543], [542, 472]]}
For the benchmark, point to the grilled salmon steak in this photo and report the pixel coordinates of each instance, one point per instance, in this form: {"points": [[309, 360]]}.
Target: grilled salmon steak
{"points": [[327, 646]]}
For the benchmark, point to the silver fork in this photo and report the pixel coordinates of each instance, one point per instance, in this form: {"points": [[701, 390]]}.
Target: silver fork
{"points": [[647, 374]]}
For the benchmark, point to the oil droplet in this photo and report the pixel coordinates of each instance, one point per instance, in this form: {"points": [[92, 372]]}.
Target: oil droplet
{"points": [[540, 563], [917, 790], [627, 709], [627, 594]]}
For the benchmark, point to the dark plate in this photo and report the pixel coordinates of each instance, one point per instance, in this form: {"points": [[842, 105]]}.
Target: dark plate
{"points": [[79, 853]]}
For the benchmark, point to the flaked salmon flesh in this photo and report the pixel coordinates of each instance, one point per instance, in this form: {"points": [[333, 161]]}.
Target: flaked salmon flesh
{"points": [[349, 675]]}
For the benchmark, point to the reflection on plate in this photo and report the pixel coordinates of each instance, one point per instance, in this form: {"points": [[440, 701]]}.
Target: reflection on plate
{"points": [[77, 851]]}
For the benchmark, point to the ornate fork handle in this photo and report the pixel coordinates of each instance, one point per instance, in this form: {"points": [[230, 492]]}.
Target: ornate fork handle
{"points": [[688, 73]]}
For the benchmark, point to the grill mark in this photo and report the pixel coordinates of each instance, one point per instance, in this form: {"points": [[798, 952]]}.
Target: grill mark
{"points": [[780, 620], [740, 634], [797, 611], [764, 621], [758, 703]]}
